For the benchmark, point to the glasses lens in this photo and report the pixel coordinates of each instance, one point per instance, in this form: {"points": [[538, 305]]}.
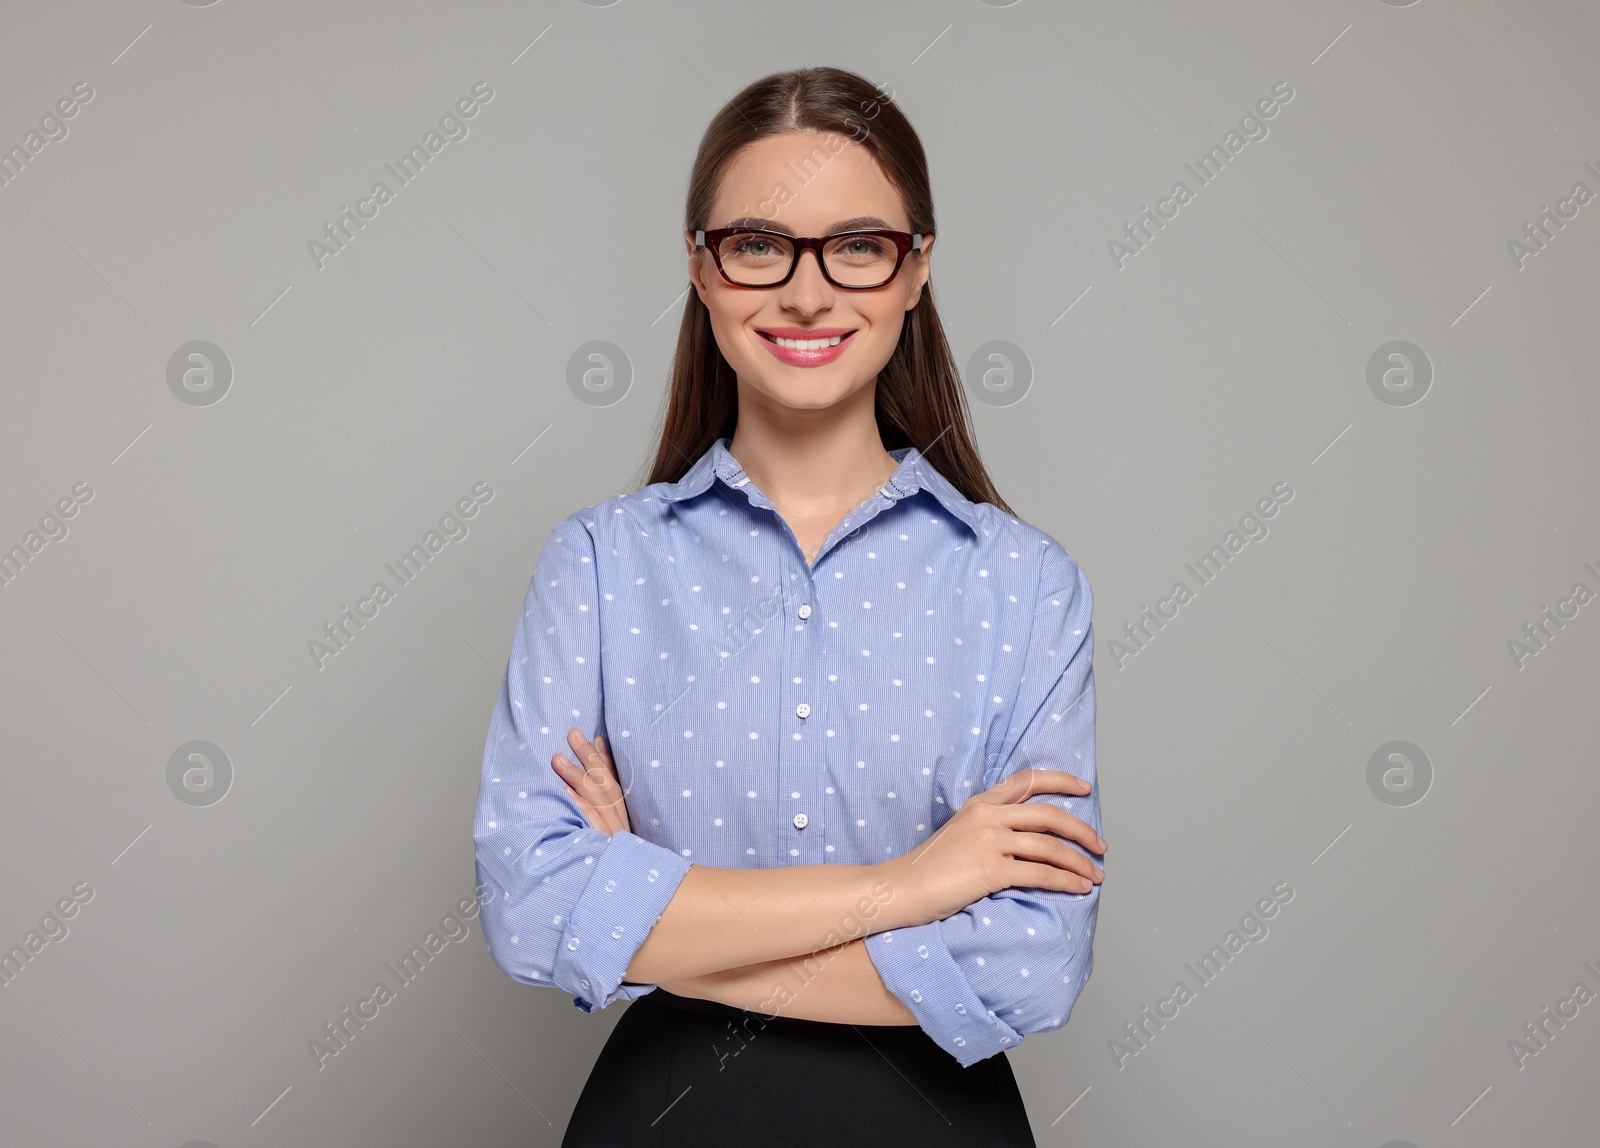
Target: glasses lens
{"points": [[752, 259], [860, 260], [755, 260]]}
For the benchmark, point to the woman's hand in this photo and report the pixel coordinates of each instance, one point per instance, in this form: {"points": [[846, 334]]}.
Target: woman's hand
{"points": [[593, 785], [998, 840]]}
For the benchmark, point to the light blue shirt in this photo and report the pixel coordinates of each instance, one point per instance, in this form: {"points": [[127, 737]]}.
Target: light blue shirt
{"points": [[762, 712]]}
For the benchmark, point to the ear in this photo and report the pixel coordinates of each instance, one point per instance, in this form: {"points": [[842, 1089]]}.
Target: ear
{"points": [[697, 266], [919, 272]]}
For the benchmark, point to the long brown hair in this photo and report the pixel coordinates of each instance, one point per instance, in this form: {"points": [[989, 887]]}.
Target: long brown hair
{"points": [[920, 401]]}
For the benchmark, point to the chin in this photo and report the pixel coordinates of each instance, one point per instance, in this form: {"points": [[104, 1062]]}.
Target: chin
{"points": [[808, 386], [805, 399]]}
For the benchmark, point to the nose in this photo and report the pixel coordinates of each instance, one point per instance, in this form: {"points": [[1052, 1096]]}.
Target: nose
{"points": [[808, 287]]}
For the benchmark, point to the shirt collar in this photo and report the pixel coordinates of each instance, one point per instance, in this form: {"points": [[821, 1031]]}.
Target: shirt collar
{"points": [[915, 473]]}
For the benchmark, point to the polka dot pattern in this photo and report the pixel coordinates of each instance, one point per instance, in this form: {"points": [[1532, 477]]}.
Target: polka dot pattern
{"points": [[763, 711]]}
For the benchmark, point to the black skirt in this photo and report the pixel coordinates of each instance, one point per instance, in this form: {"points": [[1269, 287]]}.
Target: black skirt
{"points": [[678, 1072]]}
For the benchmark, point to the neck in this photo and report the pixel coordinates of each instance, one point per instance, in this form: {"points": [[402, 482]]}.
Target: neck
{"points": [[825, 464]]}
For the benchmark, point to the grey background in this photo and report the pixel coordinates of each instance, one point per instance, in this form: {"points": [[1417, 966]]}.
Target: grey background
{"points": [[1165, 399]]}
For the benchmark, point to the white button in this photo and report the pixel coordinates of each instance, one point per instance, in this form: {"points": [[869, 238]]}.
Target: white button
{"points": [[805, 611], [802, 710], [800, 820]]}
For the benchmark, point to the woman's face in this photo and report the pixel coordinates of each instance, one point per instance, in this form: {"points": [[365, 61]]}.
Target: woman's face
{"points": [[806, 183]]}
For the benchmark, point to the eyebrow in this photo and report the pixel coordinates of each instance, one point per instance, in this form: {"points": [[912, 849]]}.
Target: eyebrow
{"points": [[859, 223]]}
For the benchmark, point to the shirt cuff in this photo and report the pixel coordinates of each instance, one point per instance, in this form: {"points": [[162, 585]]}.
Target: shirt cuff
{"points": [[625, 896], [917, 967]]}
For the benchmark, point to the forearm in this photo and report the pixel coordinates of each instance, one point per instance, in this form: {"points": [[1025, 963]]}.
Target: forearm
{"points": [[722, 919], [840, 985]]}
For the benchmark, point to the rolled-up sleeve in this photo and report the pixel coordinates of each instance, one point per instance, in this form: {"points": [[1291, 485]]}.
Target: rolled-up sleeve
{"points": [[1015, 962], [564, 904]]}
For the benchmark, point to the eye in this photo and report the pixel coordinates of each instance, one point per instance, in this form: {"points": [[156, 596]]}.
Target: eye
{"points": [[862, 247], [752, 248]]}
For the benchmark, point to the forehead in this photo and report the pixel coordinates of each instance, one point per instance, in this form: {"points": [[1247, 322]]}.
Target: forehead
{"points": [[808, 181]]}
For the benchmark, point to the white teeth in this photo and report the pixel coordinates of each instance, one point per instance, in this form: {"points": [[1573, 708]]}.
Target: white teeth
{"points": [[807, 344]]}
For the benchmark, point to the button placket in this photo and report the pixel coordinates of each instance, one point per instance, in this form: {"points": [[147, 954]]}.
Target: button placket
{"points": [[802, 752], [802, 746]]}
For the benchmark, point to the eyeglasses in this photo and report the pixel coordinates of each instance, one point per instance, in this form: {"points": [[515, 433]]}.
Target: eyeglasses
{"points": [[852, 260]]}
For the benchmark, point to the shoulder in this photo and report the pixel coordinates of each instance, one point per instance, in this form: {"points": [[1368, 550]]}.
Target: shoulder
{"points": [[622, 516], [1009, 541], [1057, 568]]}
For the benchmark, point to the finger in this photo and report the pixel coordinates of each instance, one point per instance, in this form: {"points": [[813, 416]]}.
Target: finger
{"points": [[602, 786], [600, 815], [595, 759], [1027, 782], [599, 786], [607, 764], [1032, 875], [573, 773], [590, 813], [582, 748], [584, 803], [569, 770], [1043, 817], [1051, 850], [591, 773], [610, 799]]}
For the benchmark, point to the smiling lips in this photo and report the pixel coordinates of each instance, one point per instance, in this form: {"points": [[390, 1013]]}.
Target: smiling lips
{"points": [[811, 347]]}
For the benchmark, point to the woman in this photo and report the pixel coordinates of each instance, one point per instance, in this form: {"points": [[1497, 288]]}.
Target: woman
{"points": [[847, 694]]}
